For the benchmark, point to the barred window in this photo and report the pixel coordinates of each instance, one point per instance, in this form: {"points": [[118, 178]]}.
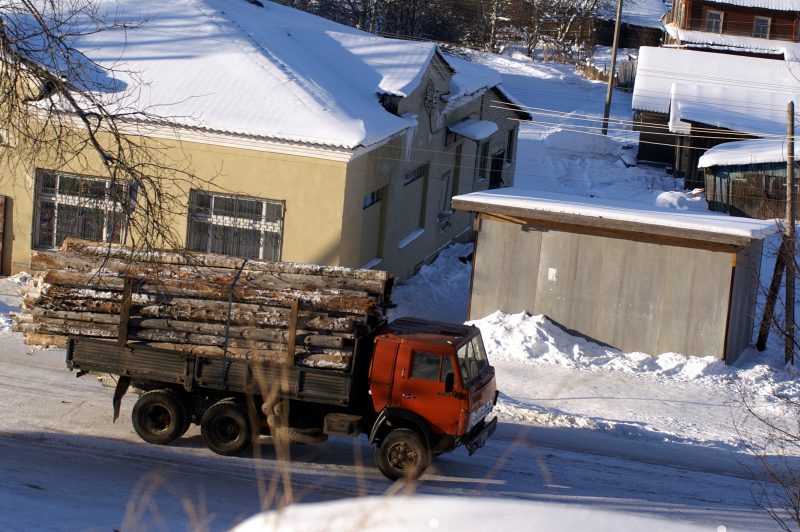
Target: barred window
{"points": [[239, 226], [82, 207]]}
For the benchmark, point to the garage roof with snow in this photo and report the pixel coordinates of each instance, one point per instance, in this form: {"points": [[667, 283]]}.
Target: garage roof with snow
{"points": [[616, 214], [267, 72]]}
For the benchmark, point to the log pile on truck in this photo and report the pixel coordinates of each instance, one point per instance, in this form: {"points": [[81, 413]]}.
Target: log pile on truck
{"points": [[202, 303], [248, 348]]}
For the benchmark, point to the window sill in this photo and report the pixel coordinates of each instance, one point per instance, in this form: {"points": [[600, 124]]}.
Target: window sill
{"points": [[413, 235]]}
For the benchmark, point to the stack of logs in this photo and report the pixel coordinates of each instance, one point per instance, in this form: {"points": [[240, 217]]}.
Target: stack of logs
{"points": [[202, 303]]}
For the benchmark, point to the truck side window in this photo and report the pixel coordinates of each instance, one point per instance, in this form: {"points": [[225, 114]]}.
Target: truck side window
{"points": [[425, 366], [447, 367]]}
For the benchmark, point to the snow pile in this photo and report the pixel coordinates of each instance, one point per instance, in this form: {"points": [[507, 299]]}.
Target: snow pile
{"points": [[439, 291], [401, 513], [535, 340], [682, 201], [9, 298], [581, 142]]}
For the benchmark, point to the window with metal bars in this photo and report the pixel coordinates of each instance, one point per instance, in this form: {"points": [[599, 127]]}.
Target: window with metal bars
{"points": [[87, 208], [239, 226]]}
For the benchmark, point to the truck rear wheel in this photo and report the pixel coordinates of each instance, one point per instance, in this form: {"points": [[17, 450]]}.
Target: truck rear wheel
{"points": [[402, 454], [160, 416], [225, 428]]}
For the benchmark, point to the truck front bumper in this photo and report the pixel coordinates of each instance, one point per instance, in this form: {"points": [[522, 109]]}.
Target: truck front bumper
{"points": [[479, 434]]}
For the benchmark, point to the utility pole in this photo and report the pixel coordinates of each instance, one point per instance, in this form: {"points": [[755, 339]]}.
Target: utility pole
{"points": [[611, 72], [790, 239]]}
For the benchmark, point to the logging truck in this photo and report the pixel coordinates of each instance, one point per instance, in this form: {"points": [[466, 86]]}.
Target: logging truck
{"points": [[251, 348], [416, 388]]}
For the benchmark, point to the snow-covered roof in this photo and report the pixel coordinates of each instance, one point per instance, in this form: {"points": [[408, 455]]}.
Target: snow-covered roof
{"points": [[476, 130], [232, 67], [600, 213], [777, 5], [744, 152], [646, 13], [740, 43], [745, 94]]}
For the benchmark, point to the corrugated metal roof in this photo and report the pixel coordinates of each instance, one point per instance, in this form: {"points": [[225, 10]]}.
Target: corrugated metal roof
{"points": [[616, 214], [735, 92], [271, 72], [777, 5]]}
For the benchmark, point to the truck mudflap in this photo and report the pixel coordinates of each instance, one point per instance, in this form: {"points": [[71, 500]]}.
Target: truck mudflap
{"points": [[478, 436]]}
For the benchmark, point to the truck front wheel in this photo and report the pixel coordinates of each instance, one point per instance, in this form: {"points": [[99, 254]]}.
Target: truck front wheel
{"points": [[225, 428], [159, 416], [402, 454]]}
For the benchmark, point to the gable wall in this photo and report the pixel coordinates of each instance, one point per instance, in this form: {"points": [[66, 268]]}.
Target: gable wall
{"points": [[739, 20], [382, 231]]}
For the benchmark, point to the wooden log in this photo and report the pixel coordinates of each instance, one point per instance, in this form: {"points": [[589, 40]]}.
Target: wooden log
{"points": [[194, 343], [195, 311], [106, 252], [48, 260], [46, 340], [330, 300], [103, 325], [251, 331]]}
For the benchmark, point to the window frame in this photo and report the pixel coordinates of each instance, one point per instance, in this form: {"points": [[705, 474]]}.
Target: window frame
{"points": [[440, 369], [482, 161], [372, 198], [262, 224], [113, 230], [510, 146], [756, 18], [708, 20]]}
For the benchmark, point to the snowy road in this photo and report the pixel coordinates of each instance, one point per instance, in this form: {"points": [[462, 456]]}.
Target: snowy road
{"points": [[63, 461]]}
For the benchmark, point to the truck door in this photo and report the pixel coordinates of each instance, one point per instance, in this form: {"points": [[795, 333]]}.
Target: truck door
{"points": [[420, 388]]}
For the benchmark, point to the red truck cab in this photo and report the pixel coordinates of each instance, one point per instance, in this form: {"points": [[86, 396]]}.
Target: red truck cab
{"points": [[432, 387]]}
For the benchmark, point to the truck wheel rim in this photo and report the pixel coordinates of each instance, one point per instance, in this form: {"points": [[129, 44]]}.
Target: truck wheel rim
{"points": [[402, 456], [157, 419], [226, 430]]}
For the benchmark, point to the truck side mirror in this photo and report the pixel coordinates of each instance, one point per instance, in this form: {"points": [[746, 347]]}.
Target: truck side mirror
{"points": [[449, 382]]}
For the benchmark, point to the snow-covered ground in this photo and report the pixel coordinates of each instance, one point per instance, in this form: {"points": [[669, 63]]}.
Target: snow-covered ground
{"points": [[581, 424]]}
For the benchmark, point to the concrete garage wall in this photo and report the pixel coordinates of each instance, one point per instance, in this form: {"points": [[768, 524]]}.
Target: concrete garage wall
{"points": [[633, 295]]}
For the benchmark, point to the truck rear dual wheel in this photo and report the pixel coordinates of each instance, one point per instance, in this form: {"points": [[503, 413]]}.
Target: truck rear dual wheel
{"points": [[225, 428], [160, 416], [403, 454]]}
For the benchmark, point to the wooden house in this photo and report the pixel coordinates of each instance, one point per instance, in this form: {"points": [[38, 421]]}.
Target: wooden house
{"points": [[748, 178], [687, 101], [757, 28]]}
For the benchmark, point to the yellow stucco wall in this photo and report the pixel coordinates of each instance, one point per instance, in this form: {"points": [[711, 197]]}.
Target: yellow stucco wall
{"points": [[313, 190]]}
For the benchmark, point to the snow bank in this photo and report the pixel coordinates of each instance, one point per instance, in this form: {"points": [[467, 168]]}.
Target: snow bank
{"points": [[535, 340], [403, 513], [9, 298], [582, 142]]}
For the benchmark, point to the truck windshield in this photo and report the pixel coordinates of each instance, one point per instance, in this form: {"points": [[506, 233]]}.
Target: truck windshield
{"points": [[472, 359]]}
